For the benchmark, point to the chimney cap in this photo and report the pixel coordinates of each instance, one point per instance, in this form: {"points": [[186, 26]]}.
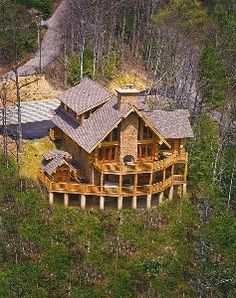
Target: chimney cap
{"points": [[128, 89]]}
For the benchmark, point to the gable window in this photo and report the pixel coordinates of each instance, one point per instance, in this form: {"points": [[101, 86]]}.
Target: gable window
{"points": [[144, 132], [147, 133], [65, 107], [87, 115], [113, 136]]}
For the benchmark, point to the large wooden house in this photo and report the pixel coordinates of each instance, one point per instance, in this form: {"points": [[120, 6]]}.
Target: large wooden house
{"points": [[115, 148]]}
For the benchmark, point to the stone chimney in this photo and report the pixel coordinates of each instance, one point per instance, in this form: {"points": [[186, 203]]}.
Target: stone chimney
{"points": [[129, 126], [127, 95]]}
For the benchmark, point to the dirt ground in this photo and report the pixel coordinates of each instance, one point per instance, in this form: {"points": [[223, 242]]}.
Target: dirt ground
{"points": [[34, 87]]}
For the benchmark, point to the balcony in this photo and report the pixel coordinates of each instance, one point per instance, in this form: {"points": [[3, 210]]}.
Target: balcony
{"points": [[89, 189], [141, 167]]}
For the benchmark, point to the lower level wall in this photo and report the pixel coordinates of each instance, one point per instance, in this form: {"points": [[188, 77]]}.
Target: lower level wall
{"points": [[80, 155]]}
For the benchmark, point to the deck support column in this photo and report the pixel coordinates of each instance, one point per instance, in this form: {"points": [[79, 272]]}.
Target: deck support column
{"points": [[101, 182], [171, 192], [51, 197], [83, 201], [135, 183], [184, 189], [120, 184], [66, 200], [172, 171], [161, 196], [151, 180], [185, 172], [164, 176], [120, 203], [101, 203], [134, 202], [149, 201]]}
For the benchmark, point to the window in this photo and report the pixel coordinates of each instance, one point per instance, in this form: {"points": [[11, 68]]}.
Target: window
{"points": [[145, 151], [144, 132], [113, 153], [163, 146], [147, 133], [65, 107], [113, 136], [108, 153], [86, 115]]}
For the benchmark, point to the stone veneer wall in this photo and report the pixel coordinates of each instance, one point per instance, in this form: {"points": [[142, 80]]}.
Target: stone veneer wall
{"points": [[125, 99], [129, 136]]}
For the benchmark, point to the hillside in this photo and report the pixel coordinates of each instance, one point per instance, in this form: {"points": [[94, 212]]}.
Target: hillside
{"points": [[183, 52]]}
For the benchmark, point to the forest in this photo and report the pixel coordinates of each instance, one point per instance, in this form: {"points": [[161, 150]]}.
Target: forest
{"points": [[183, 248]]}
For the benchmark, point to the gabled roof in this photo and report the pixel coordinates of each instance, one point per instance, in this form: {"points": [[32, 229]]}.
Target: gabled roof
{"points": [[51, 166], [95, 128], [86, 95], [56, 158], [166, 124], [171, 124]]}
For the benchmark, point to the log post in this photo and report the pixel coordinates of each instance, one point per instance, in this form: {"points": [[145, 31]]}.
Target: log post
{"points": [[101, 203], [149, 201], [184, 189], [83, 202], [161, 196], [120, 203], [101, 182], [51, 197], [185, 172], [172, 171], [134, 202], [171, 192], [66, 200], [135, 183], [120, 184], [164, 175], [151, 181]]}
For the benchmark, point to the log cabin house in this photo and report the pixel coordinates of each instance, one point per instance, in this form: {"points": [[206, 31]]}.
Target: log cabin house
{"points": [[115, 148]]}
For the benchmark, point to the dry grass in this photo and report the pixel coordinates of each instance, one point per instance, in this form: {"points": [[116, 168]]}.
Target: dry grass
{"points": [[32, 156], [128, 77], [35, 87]]}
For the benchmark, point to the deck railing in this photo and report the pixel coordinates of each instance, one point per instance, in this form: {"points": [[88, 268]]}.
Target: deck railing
{"points": [[178, 178], [141, 167], [82, 188]]}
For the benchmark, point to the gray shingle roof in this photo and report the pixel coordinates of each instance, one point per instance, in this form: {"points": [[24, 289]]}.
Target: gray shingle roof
{"points": [[94, 128], [56, 153], [84, 96], [171, 124], [51, 166]]}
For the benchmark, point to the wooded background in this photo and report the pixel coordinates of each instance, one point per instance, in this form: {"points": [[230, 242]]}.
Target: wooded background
{"points": [[186, 248]]}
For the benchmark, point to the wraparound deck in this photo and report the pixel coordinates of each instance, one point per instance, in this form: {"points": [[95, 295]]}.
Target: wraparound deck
{"points": [[146, 167], [89, 189]]}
